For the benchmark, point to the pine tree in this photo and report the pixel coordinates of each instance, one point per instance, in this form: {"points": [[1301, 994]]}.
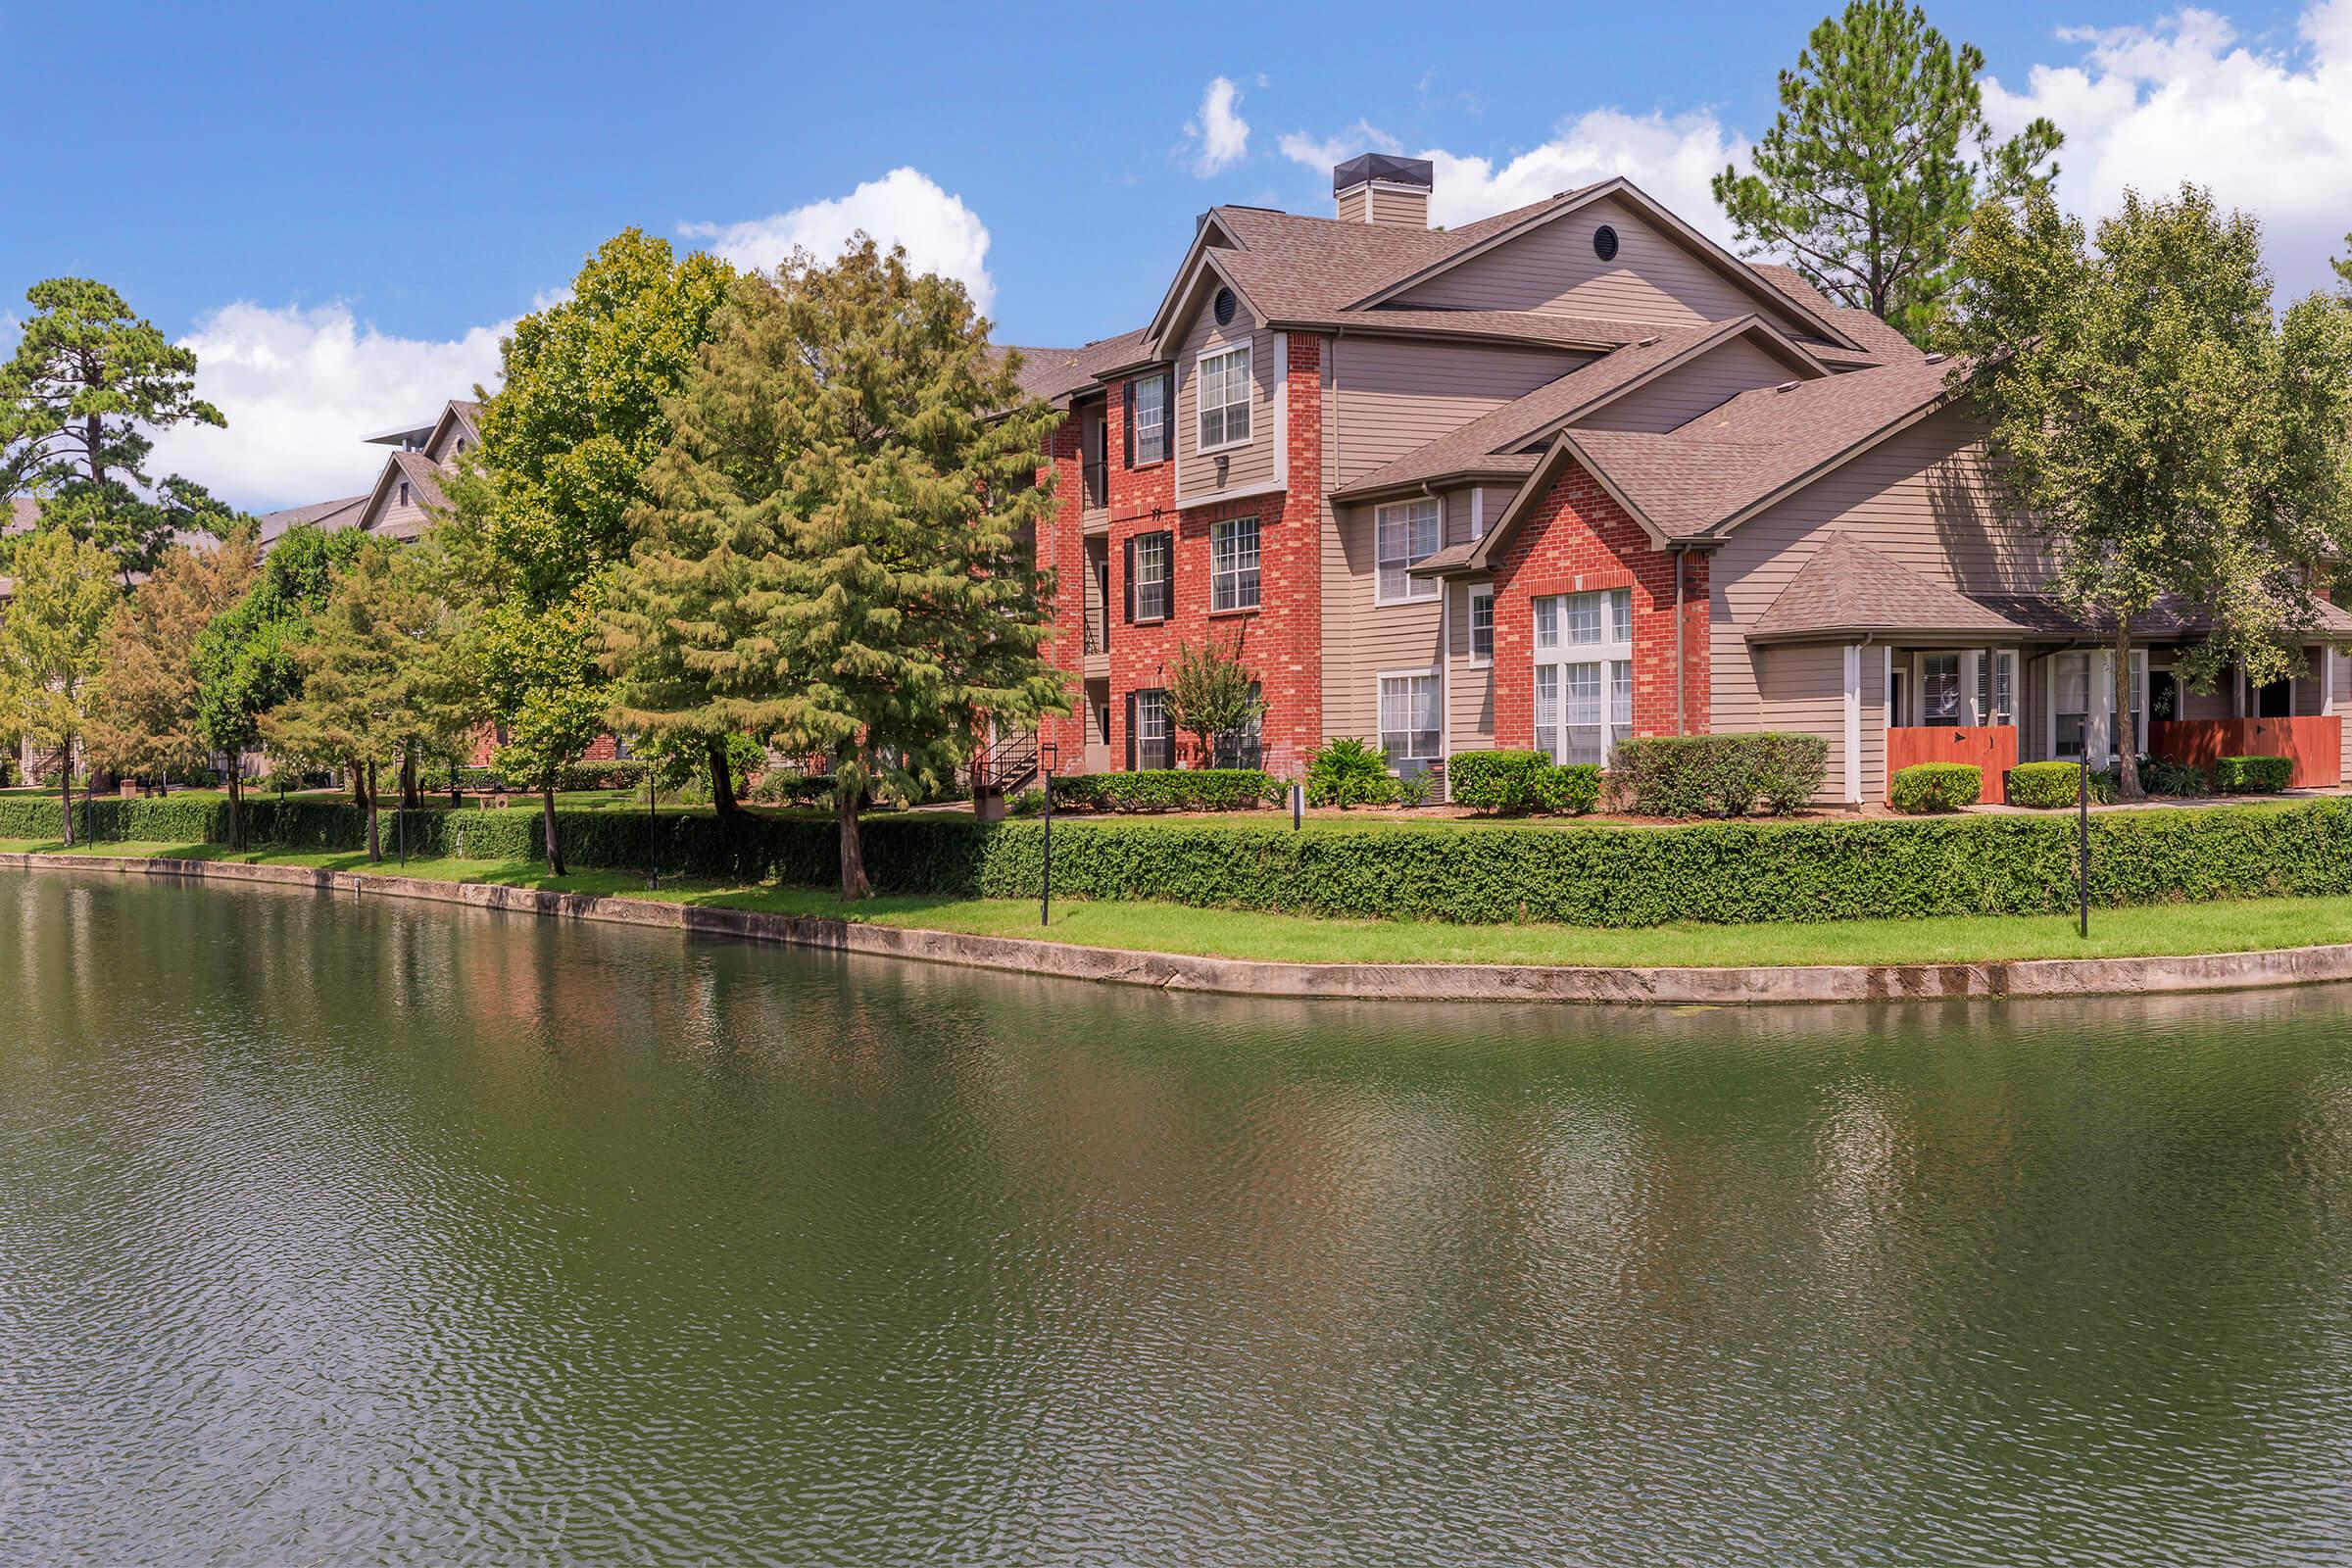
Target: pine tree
{"points": [[2168, 433], [50, 652], [1865, 180], [368, 680], [87, 383], [835, 556], [144, 707]]}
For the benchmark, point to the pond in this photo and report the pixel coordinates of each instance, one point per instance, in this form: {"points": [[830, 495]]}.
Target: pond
{"points": [[379, 1233]]}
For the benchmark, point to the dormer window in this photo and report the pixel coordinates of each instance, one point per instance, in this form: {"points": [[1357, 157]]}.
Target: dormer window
{"points": [[1222, 384], [404, 492]]}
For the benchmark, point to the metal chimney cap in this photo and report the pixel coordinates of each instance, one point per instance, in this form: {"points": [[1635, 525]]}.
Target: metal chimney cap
{"points": [[1386, 167]]}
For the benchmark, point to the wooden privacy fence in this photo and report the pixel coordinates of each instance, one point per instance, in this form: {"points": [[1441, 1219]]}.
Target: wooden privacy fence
{"points": [[2314, 742], [1990, 746]]}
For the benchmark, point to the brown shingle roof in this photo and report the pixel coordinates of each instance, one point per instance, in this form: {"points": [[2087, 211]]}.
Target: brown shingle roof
{"points": [[1706, 473], [1848, 587], [1468, 449], [1056, 373], [327, 515], [1885, 344]]}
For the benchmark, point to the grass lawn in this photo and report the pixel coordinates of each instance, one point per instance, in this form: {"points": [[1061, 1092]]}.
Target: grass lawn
{"points": [[2225, 927]]}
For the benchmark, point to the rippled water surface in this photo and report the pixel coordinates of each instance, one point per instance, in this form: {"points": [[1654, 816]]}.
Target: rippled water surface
{"points": [[364, 1234]]}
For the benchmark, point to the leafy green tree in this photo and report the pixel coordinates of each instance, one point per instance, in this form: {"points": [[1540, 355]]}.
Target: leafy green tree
{"points": [[2170, 435], [144, 707], [50, 648], [1866, 179], [88, 382], [245, 659], [1212, 693], [541, 511], [368, 678], [834, 550]]}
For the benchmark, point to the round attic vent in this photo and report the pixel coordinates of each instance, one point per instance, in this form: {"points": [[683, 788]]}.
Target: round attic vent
{"points": [[1604, 243], [1225, 306]]}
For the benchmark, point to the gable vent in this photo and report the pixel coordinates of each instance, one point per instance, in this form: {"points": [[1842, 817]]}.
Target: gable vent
{"points": [[1224, 306], [1604, 243]]}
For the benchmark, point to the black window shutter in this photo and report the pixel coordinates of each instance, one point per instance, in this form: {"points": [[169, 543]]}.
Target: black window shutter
{"points": [[1129, 402], [1128, 577], [1168, 591], [1131, 732]]}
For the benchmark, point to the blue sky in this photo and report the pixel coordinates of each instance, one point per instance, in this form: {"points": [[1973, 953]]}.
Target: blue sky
{"points": [[340, 207]]}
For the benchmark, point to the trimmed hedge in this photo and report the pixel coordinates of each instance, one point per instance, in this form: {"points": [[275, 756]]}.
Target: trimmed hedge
{"points": [[2253, 775], [1169, 788], [1578, 875], [1719, 775], [1929, 787], [2049, 786], [1514, 783]]}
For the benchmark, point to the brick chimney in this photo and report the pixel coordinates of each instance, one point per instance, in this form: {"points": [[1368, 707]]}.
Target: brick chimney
{"points": [[1382, 189]]}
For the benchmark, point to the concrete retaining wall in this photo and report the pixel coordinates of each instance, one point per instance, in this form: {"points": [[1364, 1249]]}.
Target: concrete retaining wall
{"points": [[1431, 982]]}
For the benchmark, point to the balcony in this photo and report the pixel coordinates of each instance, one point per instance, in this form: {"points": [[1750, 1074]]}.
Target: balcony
{"points": [[1094, 484], [1097, 642]]}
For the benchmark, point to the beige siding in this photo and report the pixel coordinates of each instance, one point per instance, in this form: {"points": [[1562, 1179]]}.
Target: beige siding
{"points": [[1248, 466], [1405, 209], [445, 450], [1394, 396], [1379, 637], [1921, 498], [1654, 278], [1690, 390], [1352, 205], [1469, 687]]}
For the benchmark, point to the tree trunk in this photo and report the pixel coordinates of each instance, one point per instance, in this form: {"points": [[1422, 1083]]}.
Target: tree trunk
{"points": [[65, 786], [359, 787], [854, 884], [722, 781], [236, 803], [375, 843], [547, 822], [2127, 776]]}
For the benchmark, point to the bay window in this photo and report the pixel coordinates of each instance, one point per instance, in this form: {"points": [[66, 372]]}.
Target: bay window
{"points": [[1583, 675]]}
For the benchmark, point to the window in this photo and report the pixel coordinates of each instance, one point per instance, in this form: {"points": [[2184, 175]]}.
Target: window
{"points": [[1584, 706], [1939, 690], [1239, 748], [1222, 384], [2138, 701], [404, 492], [1403, 534], [1233, 564], [1482, 626], [1149, 742], [1147, 420], [1150, 571], [1408, 719], [1996, 687], [2069, 703]]}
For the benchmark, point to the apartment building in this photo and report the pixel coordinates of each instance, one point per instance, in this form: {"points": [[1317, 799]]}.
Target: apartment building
{"points": [[1564, 475]]}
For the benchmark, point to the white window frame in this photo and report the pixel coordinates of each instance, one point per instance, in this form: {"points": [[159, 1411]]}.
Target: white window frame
{"points": [[1165, 580], [1479, 596], [1436, 729], [1161, 384], [1222, 576], [1417, 590], [1611, 654], [1201, 407], [1167, 729]]}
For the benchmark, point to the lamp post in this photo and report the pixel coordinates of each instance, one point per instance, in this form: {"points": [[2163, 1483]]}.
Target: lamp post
{"points": [[653, 834], [1048, 755], [2082, 845]]}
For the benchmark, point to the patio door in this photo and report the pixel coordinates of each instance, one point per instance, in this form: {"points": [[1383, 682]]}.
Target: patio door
{"points": [[1962, 687]]}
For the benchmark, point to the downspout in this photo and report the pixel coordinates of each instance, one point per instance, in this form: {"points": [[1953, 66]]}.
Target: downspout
{"points": [[1682, 673], [1444, 656]]}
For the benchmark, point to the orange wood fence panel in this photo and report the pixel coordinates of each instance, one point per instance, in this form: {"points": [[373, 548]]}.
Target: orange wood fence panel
{"points": [[1990, 746], [2315, 742]]}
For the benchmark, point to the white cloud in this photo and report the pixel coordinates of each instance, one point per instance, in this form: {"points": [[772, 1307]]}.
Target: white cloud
{"points": [[1219, 135], [1672, 157], [905, 207], [299, 388], [2184, 99]]}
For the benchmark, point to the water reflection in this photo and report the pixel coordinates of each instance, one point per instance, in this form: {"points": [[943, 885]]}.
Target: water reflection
{"points": [[374, 1233]]}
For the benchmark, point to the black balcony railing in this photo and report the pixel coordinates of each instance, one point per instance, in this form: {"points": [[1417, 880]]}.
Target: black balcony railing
{"points": [[1095, 481], [1098, 630]]}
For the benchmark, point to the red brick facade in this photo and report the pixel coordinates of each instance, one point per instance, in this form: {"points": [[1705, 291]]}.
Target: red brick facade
{"points": [[1280, 639], [1577, 539], [1062, 550]]}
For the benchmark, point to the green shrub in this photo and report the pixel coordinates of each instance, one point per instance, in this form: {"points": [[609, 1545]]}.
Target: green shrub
{"points": [[1168, 789], [2253, 775], [1927, 787], [1417, 790], [1346, 772], [1514, 783], [2159, 776], [1719, 775], [2047, 786], [1028, 802]]}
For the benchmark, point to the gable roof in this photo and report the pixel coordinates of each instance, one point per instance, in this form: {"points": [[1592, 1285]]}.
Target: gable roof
{"points": [[424, 481], [1580, 393], [1849, 588], [327, 515], [1479, 238], [1058, 374]]}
